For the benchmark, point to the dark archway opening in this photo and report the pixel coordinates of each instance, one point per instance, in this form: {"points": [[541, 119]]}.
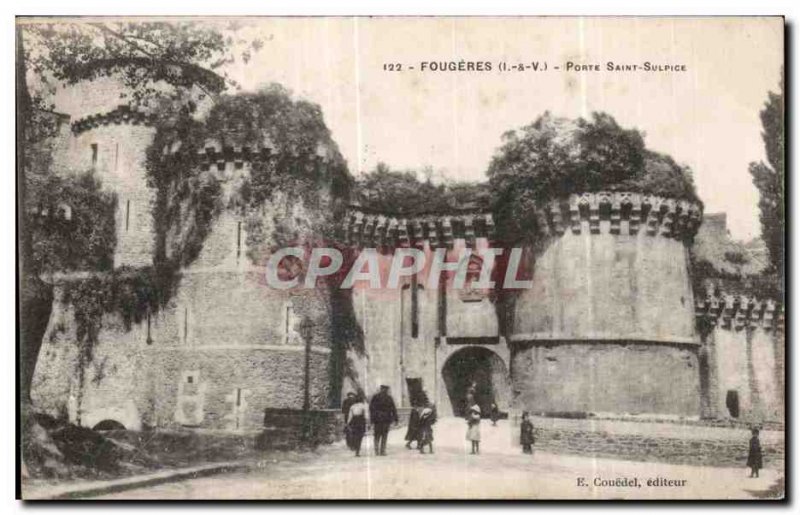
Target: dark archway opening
{"points": [[108, 425], [732, 403], [478, 373]]}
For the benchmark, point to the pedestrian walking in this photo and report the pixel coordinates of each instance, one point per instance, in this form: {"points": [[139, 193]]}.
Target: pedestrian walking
{"points": [[382, 413], [495, 414], [474, 428], [426, 421], [471, 392], [349, 400], [357, 422], [412, 434], [754, 458], [526, 433]]}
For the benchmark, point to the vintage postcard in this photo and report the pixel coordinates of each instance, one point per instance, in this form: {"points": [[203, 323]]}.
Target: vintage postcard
{"points": [[401, 258]]}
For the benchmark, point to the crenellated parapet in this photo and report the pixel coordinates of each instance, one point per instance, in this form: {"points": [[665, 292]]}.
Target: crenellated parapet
{"points": [[739, 312], [123, 114], [216, 155], [620, 213], [373, 230]]}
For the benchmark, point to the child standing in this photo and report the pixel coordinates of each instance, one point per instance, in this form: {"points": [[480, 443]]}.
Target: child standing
{"points": [[474, 428], [526, 433]]}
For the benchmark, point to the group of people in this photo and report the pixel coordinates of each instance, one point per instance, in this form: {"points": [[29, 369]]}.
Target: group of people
{"points": [[382, 414], [473, 418]]}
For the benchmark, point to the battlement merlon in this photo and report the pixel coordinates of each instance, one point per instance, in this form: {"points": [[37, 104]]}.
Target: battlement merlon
{"points": [[123, 114], [740, 312], [373, 230], [610, 212], [620, 212]]}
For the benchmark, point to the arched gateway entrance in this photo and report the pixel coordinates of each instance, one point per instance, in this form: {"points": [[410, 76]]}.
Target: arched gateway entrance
{"points": [[480, 370]]}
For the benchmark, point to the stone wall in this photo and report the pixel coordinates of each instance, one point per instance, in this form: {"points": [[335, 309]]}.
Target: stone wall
{"points": [[663, 443], [608, 287], [606, 377], [744, 347], [229, 389], [745, 362], [223, 383]]}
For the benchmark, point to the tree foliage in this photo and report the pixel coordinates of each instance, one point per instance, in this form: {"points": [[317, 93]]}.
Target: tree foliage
{"points": [[554, 157], [402, 192], [769, 179], [182, 54]]}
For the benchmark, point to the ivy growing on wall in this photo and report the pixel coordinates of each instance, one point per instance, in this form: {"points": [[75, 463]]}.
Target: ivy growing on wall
{"points": [[72, 223], [303, 173]]}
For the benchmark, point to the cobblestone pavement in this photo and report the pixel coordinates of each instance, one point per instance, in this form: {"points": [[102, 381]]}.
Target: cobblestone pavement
{"points": [[500, 471]]}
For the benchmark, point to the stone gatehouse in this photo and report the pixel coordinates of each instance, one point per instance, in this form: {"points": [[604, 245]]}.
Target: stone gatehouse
{"points": [[609, 324]]}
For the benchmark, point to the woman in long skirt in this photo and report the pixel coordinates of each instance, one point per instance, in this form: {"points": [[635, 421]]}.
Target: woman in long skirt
{"points": [[412, 433], [357, 423], [474, 428]]}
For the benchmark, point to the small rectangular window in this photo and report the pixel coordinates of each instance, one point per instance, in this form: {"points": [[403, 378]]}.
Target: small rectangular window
{"points": [[127, 215], [190, 379], [94, 155], [287, 328], [238, 240], [185, 324], [149, 334]]}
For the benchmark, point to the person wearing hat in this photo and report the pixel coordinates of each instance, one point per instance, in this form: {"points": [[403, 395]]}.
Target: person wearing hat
{"points": [[526, 433], [474, 427], [382, 412], [754, 459]]}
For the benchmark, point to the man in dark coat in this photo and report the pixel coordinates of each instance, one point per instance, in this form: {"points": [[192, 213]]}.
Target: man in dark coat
{"points": [[348, 401], [754, 460], [382, 412], [526, 433]]}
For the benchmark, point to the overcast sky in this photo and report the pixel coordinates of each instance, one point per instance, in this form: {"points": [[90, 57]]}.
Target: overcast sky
{"points": [[706, 117]]}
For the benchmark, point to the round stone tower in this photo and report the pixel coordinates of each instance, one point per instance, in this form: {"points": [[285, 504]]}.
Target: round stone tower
{"points": [[608, 324], [110, 132]]}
